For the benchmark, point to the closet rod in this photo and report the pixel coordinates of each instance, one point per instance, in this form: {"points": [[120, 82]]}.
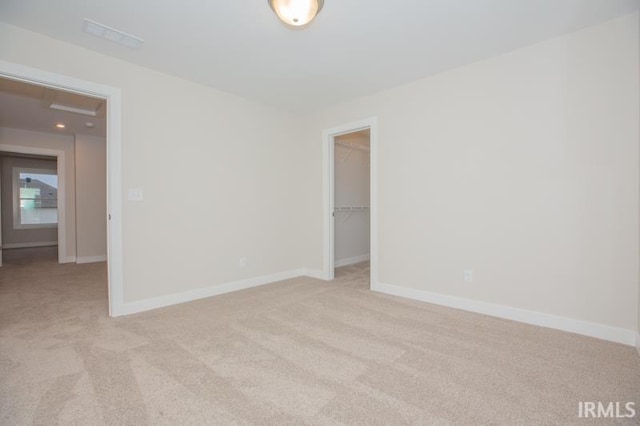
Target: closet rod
{"points": [[351, 208]]}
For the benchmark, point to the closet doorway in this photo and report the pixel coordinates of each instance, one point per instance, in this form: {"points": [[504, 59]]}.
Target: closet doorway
{"points": [[350, 207], [351, 168]]}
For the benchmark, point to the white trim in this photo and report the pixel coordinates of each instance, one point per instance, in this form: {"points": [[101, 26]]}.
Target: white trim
{"points": [[352, 260], [328, 204], [91, 259], [328, 136], [600, 331], [113, 95], [314, 273], [29, 245], [62, 187], [202, 293], [68, 259], [638, 343]]}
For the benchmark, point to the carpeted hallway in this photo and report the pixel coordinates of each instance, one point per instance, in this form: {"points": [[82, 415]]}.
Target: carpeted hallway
{"points": [[300, 351]]}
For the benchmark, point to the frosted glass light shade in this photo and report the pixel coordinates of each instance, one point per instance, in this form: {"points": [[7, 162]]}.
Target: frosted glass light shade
{"points": [[296, 13]]}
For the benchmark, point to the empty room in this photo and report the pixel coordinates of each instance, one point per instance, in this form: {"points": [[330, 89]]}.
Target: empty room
{"points": [[320, 212]]}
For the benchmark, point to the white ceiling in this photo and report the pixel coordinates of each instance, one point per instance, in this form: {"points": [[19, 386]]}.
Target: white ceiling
{"points": [[354, 48]]}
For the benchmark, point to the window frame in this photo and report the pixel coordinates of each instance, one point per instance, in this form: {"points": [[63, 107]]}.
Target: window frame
{"points": [[16, 198]]}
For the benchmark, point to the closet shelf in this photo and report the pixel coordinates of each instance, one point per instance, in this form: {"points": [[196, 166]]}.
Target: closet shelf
{"points": [[351, 208]]}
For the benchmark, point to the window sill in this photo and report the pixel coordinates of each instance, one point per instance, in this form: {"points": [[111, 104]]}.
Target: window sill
{"points": [[35, 226]]}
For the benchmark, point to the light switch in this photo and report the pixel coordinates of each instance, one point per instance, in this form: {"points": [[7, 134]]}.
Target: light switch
{"points": [[135, 194]]}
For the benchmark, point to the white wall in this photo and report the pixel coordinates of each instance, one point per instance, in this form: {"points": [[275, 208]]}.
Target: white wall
{"points": [[221, 175], [523, 167], [351, 170], [58, 142], [21, 237], [91, 198]]}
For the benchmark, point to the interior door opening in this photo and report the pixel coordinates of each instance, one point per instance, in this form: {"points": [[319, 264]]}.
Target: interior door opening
{"points": [[350, 208], [352, 188], [29, 208], [53, 168], [113, 108]]}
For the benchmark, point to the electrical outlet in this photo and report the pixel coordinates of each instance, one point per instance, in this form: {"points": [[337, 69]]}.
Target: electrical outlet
{"points": [[242, 262], [468, 275]]}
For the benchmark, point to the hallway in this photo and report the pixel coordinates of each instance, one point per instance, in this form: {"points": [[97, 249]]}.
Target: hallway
{"points": [[36, 289]]}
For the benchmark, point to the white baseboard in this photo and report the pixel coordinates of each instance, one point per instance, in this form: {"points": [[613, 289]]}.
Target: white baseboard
{"points": [[91, 259], [600, 331], [201, 293], [352, 260], [638, 342], [9, 246], [314, 273], [68, 259]]}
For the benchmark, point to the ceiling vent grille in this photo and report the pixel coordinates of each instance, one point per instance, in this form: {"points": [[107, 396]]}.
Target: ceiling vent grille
{"points": [[73, 109], [111, 34]]}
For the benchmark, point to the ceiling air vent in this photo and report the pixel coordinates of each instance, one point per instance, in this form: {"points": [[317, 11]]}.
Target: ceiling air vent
{"points": [[111, 34], [73, 109]]}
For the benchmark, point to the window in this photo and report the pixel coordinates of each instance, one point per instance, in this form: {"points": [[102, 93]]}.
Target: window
{"points": [[35, 198]]}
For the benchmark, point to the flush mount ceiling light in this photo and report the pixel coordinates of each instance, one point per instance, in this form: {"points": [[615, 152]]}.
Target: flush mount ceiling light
{"points": [[296, 13], [60, 125]]}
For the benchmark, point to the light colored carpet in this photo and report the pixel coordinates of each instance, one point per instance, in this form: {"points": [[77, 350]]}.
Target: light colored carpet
{"points": [[301, 351]]}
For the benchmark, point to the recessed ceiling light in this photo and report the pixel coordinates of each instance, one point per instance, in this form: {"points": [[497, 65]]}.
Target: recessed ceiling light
{"points": [[100, 30], [60, 125], [89, 124]]}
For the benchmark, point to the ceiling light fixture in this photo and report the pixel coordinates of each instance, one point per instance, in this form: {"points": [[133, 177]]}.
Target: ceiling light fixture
{"points": [[60, 125], [296, 13]]}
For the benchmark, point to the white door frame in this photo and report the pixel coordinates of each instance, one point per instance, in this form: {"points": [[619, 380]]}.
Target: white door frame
{"points": [[328, 146], [62, 188], [113, 96]]}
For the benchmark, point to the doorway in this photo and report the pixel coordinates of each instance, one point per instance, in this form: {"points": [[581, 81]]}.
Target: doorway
{"points": [[350, 213], [29, 210], [60, 160], [351, 167], [112, 96]]}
